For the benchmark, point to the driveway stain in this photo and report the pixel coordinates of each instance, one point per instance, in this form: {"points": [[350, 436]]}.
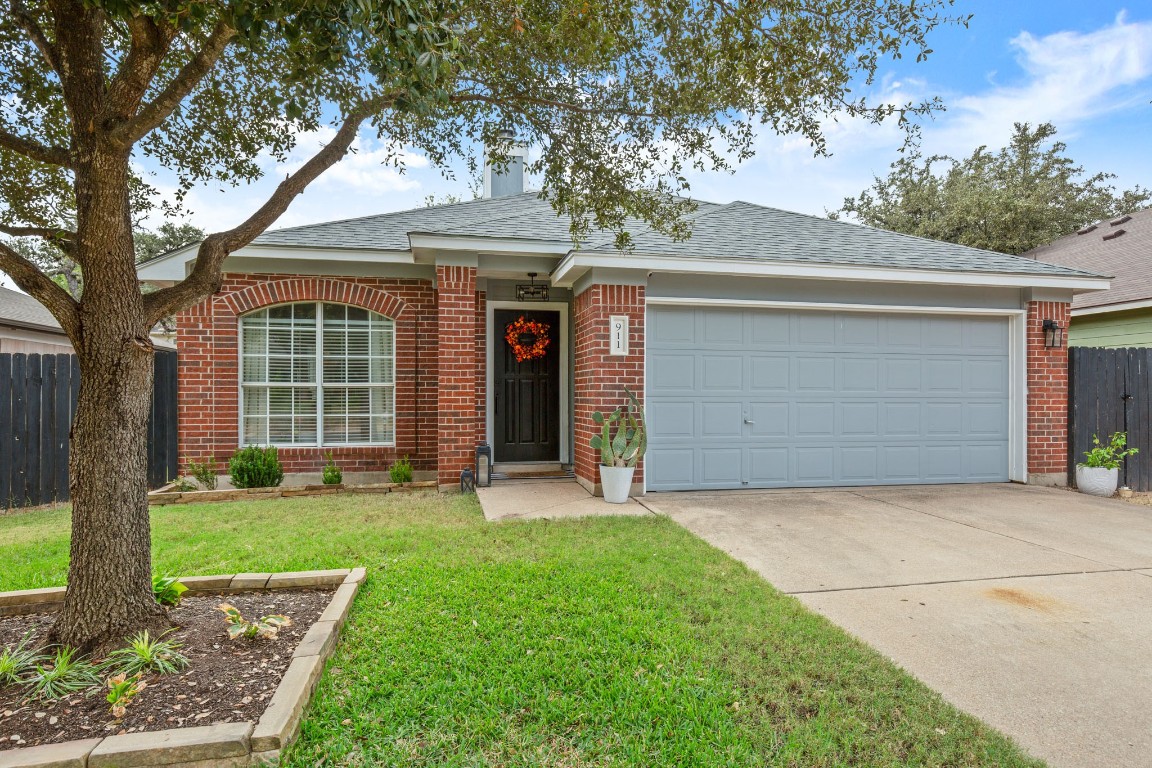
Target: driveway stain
{"points": [[1024, 599]]}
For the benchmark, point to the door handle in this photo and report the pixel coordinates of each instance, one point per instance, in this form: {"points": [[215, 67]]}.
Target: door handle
{"points": [[749, 421]]}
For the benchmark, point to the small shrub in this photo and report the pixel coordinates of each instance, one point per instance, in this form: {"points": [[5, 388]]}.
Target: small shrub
{"points": [[144, 654], [168, 590], [204, 473], [1108, 456], [66, 675], [401, 471], [122, 690], [18, 661], [266, 627], [182, 485], [256, 467], [332, 473]]}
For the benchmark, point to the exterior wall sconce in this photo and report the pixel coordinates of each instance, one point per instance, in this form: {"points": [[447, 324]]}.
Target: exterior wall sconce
{"points": [[1053, 334], [483, 465]]}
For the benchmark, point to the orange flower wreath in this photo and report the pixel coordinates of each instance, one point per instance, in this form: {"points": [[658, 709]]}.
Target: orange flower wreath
{"points": [[520, 327]]}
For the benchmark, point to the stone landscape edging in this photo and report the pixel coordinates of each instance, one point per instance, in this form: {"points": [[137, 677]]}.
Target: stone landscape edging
{"points": [[223, 745], [164, 496]]}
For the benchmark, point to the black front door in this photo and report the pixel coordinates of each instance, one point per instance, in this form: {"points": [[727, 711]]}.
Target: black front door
{"points": [[526, 406]]}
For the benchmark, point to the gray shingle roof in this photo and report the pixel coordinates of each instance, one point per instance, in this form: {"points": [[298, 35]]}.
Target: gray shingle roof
{"points": [[21, 309], [735, 230], [1127, 257]]}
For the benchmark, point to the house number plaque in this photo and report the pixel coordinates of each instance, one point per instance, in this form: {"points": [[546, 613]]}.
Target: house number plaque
{"points": [[618, 335]]}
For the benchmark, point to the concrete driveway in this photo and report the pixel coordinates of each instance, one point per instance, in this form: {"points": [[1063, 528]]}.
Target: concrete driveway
{"points": [[1030, 608]]}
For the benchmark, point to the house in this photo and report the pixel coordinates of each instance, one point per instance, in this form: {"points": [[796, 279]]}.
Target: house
{"points": [[26, 326], [771, 349], [1122, 315]]}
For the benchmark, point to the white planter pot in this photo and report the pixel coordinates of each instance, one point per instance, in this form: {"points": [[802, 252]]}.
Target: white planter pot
{"points": [[1097, 481], [616, 482]]}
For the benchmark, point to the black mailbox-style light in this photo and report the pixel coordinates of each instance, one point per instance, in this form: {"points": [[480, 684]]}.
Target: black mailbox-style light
{"points": [[1053, 334], [483, 465]]}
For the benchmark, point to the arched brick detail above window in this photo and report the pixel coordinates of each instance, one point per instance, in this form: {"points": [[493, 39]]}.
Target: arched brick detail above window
{"points": [[272, 292]]}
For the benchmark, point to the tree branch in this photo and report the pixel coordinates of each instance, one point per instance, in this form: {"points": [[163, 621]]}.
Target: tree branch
{"points": [[204, 279], [61, 238], [28, 23], [62, 306], [149, 45], [34, 150], [157, 111]]}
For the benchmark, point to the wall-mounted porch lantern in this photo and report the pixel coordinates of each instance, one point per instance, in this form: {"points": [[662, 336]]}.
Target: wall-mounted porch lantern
{"points": [[1053, 334], [483, 465]]}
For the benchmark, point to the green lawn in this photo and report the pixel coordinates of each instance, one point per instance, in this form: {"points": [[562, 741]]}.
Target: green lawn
{"points": [[616, 641]]}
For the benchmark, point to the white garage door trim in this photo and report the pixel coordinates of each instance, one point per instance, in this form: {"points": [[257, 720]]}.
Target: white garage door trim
{"points": [[1017, 351]]}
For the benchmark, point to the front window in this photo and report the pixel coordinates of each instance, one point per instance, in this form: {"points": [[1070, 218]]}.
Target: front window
{"points": [[317, 374]]}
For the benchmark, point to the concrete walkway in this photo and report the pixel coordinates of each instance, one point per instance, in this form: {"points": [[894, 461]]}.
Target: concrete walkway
{"points": [[1030, 608], [547, 499]]}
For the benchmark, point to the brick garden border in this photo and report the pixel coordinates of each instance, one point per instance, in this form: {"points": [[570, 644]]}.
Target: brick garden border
{"points": [[163, 496], [224, 745]]}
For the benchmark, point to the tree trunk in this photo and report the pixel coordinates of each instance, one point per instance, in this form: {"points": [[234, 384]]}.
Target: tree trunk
{"points": [[109, 594]]}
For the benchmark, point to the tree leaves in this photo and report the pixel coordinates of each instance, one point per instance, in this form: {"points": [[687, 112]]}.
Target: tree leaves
{"points": [[1020, 197]]}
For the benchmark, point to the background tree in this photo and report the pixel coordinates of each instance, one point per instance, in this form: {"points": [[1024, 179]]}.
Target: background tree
{"points": [[1025, 195], [621, 98], [167, 237]]}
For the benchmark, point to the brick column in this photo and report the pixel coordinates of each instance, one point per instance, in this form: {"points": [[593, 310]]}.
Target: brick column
{"points": [[1047, 396], [195, 383], [456, 388], [600, 378]]}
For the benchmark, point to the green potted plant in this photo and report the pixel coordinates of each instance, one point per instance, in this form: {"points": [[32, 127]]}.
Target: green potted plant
{"points": [[1099, 473], [621, 442]]}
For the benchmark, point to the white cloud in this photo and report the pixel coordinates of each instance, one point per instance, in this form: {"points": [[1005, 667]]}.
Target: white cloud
{"points": [[1069, 78]]}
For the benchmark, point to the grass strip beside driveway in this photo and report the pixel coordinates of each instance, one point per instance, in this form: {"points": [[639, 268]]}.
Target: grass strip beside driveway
{"points": [[611, 641]]}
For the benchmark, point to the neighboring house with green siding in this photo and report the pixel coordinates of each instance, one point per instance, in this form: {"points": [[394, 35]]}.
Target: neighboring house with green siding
{"points": [[1122, 315]]}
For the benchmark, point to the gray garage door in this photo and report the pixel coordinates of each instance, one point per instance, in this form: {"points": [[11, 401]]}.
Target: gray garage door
{"points": [[742, 398]]}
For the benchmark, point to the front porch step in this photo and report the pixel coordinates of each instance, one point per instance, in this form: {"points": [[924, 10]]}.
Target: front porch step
{"points": [[531, 471]]}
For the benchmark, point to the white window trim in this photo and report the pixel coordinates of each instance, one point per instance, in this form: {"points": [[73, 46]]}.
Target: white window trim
{"points": [[318, 385]]}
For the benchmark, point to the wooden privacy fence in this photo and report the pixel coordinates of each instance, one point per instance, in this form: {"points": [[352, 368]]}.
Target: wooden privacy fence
{"points": [[37, 401], [1110, 391]]}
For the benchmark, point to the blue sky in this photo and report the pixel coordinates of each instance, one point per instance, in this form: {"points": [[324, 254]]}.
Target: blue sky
{"points": [[1085, 66]]}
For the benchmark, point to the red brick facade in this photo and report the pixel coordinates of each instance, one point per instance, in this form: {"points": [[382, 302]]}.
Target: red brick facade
{"points": [[441, 370], [1047, 392], [457, 396], [600, 378], [207, 337]]}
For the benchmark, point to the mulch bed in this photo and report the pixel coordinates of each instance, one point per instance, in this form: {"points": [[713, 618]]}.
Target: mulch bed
{"points": [[226, 681]]}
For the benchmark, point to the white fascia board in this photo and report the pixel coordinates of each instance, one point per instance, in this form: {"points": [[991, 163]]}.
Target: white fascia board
{"points": [[174, 265], [747, 268], [495, 245], [325, 254], [1123, 307]]}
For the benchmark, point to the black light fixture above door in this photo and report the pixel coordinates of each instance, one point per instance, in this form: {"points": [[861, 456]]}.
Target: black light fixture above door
{"points": [[532, 292], [1053, 334]]}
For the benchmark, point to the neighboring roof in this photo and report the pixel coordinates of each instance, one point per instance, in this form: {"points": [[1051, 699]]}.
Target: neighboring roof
{"points": [[735, 230], [1128, 256], [20, 309]]}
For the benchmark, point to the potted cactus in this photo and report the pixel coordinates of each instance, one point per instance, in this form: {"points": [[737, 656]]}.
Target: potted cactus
{"points": [[621, 442], [1099, 473]]}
